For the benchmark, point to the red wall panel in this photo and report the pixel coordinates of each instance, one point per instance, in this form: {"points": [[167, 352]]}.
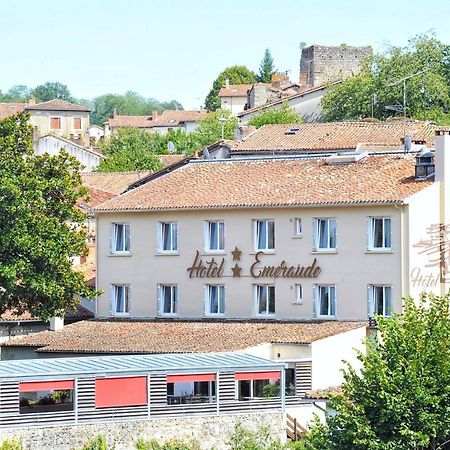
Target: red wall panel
{"points": [[34, 386], [129, 391]]}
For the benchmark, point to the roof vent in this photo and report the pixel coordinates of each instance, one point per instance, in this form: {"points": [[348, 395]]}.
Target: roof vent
{"points": [[346, 158], [292, 131], [424, 164]]}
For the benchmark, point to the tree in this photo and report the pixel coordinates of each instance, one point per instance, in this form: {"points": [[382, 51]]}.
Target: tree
{"points": [[235, 75], [209, 129], [40, 226], [18, 93], [273, 116], [51, 90], [401, 397], [266, 68], [428, 93], [131, 103], [132, 149]]}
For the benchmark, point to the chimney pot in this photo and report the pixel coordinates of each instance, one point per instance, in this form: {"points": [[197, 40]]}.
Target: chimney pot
{"points": [[56, 323]]}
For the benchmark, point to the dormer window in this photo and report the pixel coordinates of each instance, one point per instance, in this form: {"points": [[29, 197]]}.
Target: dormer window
{"points": [[424, 164]]}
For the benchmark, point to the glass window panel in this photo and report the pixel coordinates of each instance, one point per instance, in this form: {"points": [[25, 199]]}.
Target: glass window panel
{"points": [[221, 236], [388, 301], [332, 231], [387, 233], [270, 234], [262, 299], [271, 305]]}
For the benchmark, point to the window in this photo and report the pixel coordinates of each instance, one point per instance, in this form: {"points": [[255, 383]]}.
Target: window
{"points": [[265, 235], [289, 374], [116, 392], [45, 396], [298, 227], [168, 237], [257, 385], [214, 236], [298, 294], [55, 123], [188, 389], [120, 299], [325, 301], [265, 300], [77, 123], [119, 238], [168, 299], [215, 299], [380, 300], [324, 234], [379, 233]]}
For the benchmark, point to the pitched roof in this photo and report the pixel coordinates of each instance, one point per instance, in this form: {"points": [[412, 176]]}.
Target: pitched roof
{"points": [[110, 182], [57, 105], [274, 182], [329, 136], [169, 118], [235, 90], [72, 143], [127, 336], [80, 313], [168, 160], [8, 109]]}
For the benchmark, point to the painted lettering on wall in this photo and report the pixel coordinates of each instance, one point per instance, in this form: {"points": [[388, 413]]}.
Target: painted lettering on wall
{"points": [[283, 270], [208, 269]]}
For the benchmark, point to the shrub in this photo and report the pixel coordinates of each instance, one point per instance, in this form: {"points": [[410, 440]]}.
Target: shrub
{"points": [[168, 445], [96, 443], [243, 439], [11, 445]]}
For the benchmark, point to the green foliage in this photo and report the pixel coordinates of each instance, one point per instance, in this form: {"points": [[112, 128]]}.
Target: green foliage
{"points": [[131, 149], [130, 103], [51, 90], [18, 93], [271, 390], [11, 445], [243, 439], [401, 398], [209, 129], [284, 115], [266, 68], [235, 75], [40, 225], [168, 445], [96, 443], [428, 94]]}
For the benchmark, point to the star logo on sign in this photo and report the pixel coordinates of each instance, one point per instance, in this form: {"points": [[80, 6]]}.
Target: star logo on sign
{"points": [[236, 254], [236, 271]]}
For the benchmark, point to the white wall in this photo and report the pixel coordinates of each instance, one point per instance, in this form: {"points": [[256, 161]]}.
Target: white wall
{"points": [[328, 354], [233, 104]]}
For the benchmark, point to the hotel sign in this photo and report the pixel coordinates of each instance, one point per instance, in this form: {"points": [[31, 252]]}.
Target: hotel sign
{"points": [[215, 268]]}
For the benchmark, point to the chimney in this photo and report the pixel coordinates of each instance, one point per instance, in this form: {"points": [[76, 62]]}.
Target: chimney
{"points": [[32, 101], [242, 132], [227, 83], [154, 114], [56, 323]]}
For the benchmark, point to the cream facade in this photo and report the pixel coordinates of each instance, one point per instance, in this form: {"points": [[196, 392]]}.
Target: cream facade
{"points": [[351, 268]]}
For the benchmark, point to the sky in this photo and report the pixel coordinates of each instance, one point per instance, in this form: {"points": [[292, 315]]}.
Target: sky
{"points": [[174, 49]]}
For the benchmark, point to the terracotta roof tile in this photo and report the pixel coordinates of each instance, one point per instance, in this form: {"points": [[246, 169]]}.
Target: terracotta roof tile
{"points": [[8, 109], [274, 182], [330, 136], [111, 182], [169, 118], [235, 90], [116, 336], [56, 105]]}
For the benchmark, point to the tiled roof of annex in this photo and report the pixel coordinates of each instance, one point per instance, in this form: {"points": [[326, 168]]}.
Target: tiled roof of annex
{"points": [[274, 182], [129, 336], [235, 90], [332, 136], [56, 105]]}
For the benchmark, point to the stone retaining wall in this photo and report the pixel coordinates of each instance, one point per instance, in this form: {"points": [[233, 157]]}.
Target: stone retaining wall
{"points": [[211, 432]]}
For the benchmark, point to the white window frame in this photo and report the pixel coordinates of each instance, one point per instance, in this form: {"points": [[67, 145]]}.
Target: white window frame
{"points": [[207, 236], [174, 303], [126, 231], [298, 294], [171, 225], [257, 288], [371, 300], [221, 288], [265, 223], [298, 227], [316, 235], [317, 290], [371, 234], [113, 289]]}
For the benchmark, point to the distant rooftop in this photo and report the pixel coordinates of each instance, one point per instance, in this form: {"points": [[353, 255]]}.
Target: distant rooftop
{"points": [[56, 105]]}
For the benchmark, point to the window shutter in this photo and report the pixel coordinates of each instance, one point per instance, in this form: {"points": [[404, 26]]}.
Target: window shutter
{"points": [[127, 237], [314, 235], [112, 237], [315, 293], [111, 299], [158, 300]]}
